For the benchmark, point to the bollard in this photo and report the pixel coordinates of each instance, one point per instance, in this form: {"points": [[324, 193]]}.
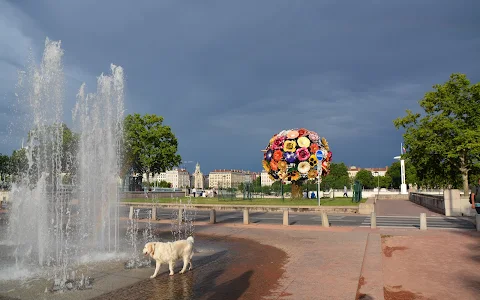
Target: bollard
{"points": [[285, 217], [130, 214], [180, 215], [154, 213], [213, 216], [423, 221], [246, 220], [325, 219], [373, 221], [477, 219]]}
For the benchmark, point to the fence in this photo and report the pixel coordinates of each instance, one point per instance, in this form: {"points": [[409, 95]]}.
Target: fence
{"points": [[432, 202]]}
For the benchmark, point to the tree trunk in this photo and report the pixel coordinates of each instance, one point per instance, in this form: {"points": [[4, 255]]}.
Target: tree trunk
{"points": [[297, 190], [148, 179], [464, 171]]}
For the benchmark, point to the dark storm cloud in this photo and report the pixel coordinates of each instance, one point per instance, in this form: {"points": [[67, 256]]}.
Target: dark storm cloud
{"points": [[229, 74]]}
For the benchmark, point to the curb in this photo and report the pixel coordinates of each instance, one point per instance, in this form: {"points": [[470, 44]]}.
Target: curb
{"points": [[370, 283]]}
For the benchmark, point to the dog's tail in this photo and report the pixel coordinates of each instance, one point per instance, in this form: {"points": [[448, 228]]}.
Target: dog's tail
{"points": [[190, 239]]}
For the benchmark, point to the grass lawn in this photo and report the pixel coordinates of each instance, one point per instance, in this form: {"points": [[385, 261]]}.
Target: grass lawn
{"points": [[257, 201]]}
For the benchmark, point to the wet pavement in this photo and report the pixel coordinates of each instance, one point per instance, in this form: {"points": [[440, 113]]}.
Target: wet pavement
{"points": [[245, 269], [223, 268]]}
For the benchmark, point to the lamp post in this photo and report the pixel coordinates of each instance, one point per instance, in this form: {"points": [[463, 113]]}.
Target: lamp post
{"points": [[403, 186], [378, 182], [319, 179]]}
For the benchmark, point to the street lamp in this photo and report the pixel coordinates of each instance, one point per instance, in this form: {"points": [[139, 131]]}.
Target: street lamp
{"points": [[319, 179], [403, 186], [378, 182]]}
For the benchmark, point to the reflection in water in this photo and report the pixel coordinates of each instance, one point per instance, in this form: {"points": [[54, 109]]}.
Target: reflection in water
{"points": [[223, 269]]}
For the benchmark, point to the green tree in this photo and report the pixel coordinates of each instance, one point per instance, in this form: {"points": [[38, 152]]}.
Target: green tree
{"points": [[394, 172], [277, 188], [4, 166], [266, 189], [385, 181], [69, 151], [150, 146], [164, 184], [19, 163], [365, 177], [337, 178], [445, 141]]}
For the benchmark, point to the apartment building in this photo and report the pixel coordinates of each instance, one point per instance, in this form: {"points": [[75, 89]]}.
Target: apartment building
{"points": [[179, 178], [353, 170], [223, 179], [265, 179]]}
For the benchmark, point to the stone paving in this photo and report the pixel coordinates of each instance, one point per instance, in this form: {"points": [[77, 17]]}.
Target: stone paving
{"points": [[322, 263], [349, 263], [432, 265]]}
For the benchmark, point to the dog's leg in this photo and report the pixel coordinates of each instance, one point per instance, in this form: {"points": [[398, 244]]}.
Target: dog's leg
{"points": [[190, 261], [157, 268], [185, 263], [170, 266]]}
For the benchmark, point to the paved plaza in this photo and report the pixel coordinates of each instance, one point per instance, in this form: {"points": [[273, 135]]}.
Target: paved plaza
{"points": [[318, 263], [266, 260], [401, 208]]}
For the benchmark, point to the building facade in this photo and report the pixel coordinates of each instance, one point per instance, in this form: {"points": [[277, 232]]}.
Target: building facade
{"points": [[352, 171], [198, 179], [178, 178], [265, 179], [224, 179]]}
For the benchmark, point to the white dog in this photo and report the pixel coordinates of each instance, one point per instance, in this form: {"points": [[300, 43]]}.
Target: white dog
{"points": [[169, 253]]}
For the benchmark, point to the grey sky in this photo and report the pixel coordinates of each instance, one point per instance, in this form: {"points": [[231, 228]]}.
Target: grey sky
{"points": [[227, 75]]}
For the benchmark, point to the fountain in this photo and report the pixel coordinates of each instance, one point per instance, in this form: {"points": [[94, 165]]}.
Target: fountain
{"points": [[65, 216], [182, 220], [56, 222]]}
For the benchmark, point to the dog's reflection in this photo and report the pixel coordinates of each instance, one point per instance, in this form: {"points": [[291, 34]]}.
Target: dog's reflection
{"points": [[175, 287]]}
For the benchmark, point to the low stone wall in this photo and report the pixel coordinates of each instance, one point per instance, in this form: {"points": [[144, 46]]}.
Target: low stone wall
{"points": [[266, 208], [456, 204], [139, 195], [432, 202], [393, 197], [368, 207], [452, 203]]}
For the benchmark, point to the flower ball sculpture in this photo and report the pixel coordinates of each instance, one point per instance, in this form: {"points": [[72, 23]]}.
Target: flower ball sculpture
{"points": [[296, 155]]}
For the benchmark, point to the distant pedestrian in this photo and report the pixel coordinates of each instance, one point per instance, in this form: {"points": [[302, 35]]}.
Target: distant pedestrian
{"points": [[345, 191], [475, 197], [194, 191]]}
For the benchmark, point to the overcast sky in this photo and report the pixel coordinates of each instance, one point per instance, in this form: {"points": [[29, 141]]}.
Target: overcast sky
{"points": [[227, 75]]}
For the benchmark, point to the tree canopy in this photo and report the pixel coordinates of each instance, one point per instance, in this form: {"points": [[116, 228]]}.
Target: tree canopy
{"points": [[337, 178], [4, 166], [366, 178], [394, 172], [444, 141], [150, 146]]}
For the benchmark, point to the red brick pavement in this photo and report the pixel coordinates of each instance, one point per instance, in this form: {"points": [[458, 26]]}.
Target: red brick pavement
{"points": [[433, 265]]}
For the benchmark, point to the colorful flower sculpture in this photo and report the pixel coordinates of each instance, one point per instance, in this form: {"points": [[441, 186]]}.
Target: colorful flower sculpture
{"points": [[297, 154]]}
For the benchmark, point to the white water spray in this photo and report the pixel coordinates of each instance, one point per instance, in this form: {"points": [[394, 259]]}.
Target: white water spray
{"points": [[53, 223]]}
